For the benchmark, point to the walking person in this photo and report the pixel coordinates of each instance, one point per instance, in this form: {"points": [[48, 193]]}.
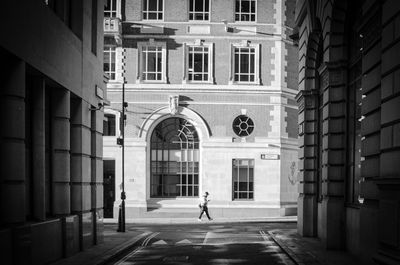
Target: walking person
{"points": [[203, 206]]}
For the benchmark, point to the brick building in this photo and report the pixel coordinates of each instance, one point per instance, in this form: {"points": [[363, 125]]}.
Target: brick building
{"points": [[349, 126], [211, 88], [51, 188]]}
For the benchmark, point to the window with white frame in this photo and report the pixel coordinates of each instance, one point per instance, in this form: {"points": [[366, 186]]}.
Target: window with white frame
{"points": [[199, 9], [245, 10], [109, 125], [243, 179], [245, 63], [152, 62], [198, 63], [152, 9], [110, 8], [109, 64]]}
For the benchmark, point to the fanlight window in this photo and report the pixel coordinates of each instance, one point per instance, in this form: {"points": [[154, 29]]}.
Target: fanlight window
{"points": [[174, 159]]}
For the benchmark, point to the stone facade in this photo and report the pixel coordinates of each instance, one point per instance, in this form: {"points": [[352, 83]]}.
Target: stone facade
{"points": [[349, 173], [211, 106], [51, 136]]}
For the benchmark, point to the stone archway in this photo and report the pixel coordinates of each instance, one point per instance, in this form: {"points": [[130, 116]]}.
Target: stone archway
{"points": [[174, 159]]}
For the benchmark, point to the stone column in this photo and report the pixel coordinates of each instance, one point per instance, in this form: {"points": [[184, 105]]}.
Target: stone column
{"points": [[80, 157], [12, 140], [331, 218], [38, 149], [307, 202], [60, 156], [388, 178], [97, 173], [81, 166]]}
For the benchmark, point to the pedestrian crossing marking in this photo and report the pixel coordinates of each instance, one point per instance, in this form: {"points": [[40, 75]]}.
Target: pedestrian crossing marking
{"points": [[160, 242], [185, 241]]}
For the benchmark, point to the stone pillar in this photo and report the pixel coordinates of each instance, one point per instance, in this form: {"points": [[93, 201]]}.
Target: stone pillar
{"points": [[38, 148], [80, 157], [331, 219], [97, 174], [81, 166], [388, 179], [60, 157], [12, 140], [307, 202]]}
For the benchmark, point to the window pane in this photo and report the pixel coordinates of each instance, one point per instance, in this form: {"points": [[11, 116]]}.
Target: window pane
{"points": [[191, 5], [197, 62], [252, 63], [160, 5], [152, 5], [244, 63], [245, 7], [159, 63], [236, 63], [106, 67], [151, 62], [198, 5], [244, 78], [207, 6]]}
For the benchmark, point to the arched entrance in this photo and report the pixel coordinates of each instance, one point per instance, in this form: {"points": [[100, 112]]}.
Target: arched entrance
{"points": [[174, 158]]}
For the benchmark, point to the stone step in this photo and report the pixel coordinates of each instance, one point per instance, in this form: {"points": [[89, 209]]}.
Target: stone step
{"points": [[168, 212]]}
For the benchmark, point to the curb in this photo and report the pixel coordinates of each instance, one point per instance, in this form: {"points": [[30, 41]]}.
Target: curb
{"points": [[154, 221], [285, 249], [119, 249]]}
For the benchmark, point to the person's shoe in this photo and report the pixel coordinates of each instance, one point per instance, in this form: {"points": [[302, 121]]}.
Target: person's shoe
{"points": [[210, 219], [199, 220]]}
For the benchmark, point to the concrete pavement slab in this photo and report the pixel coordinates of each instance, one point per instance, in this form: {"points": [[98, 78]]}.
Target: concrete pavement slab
{"points": [[309, 251]]}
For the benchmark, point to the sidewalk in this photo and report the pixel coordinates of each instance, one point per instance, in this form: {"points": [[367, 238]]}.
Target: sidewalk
{"points": [[283, 219], [309, 251], [114, 243]]}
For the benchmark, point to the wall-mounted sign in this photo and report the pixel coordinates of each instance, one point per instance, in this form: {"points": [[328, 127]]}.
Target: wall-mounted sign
{"points": [[99, 92], [269, 156]]}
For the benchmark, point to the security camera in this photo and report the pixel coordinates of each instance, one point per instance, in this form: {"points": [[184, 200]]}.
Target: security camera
{"points": [[100, 105]]}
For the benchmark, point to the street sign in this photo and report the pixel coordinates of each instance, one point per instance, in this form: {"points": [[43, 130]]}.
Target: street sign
{"points": [[269, 156]]}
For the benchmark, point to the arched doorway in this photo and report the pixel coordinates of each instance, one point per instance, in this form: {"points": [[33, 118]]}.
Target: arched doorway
{"points": [[174, 158]]}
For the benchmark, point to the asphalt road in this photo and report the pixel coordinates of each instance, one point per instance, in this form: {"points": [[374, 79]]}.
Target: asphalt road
{"points": [[205, 243]]}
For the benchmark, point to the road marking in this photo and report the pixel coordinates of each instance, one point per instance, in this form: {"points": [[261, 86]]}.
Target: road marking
{"points": [[206, 238], [147, 240], [160, 242], [138, 249], [185, 241]]}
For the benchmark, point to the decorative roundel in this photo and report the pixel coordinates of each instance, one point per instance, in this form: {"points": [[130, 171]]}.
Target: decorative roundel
{"points": [[243, 126]]}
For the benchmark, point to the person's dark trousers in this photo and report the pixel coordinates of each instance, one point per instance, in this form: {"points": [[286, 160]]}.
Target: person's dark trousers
{"points": [[204, 209]]}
